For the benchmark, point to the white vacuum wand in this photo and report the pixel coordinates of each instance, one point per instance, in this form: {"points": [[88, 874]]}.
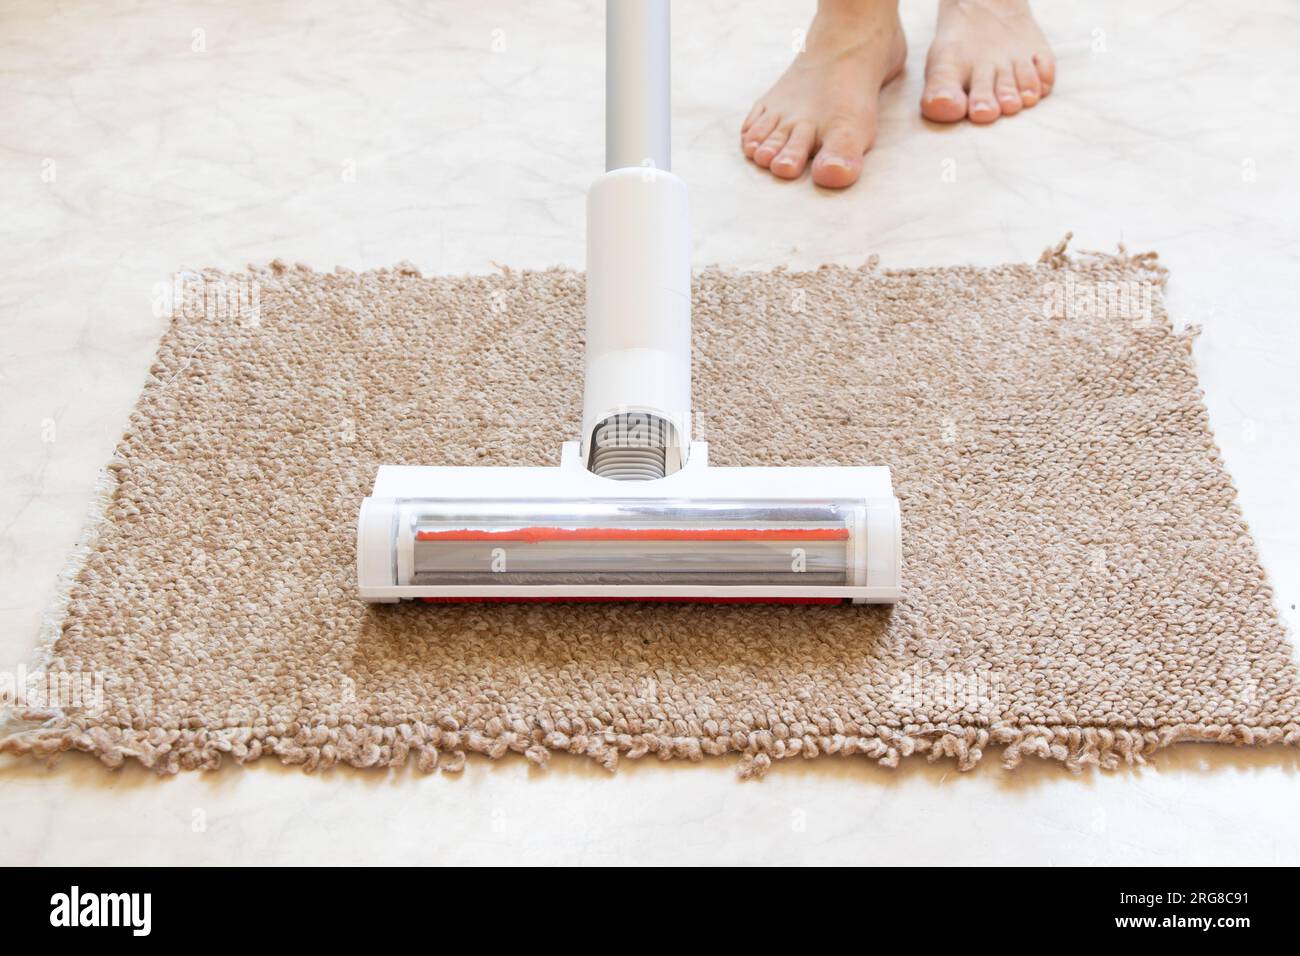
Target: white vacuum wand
{"points": [[634, 511]]}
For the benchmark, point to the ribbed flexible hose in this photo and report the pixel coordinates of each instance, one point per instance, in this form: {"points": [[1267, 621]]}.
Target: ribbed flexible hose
{"points": [[630, 450]]}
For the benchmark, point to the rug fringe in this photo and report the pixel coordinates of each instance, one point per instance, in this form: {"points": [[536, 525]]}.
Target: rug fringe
{"points": [[446, 748], [1056, 257]]}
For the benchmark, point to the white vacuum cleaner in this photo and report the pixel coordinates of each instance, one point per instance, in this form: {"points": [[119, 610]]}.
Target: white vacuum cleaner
{"points": [[634, 511]]}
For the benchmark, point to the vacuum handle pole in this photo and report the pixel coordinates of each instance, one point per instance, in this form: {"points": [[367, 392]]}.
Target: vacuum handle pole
{"points": [[637, 91]]}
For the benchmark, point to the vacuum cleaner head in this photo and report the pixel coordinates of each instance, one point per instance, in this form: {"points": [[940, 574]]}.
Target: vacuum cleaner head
{"points": [[633, 511], [802, 535]]}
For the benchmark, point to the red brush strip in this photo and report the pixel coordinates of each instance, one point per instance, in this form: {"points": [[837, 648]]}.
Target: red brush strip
{"points": [[656, 600], [537, 535]]}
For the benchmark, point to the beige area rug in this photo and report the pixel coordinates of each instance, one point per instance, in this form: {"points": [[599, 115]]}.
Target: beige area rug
{"points": [[1080, 584]]}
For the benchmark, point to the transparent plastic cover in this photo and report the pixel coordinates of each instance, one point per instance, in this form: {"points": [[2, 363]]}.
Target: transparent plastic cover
{"points": [[628, 541]]}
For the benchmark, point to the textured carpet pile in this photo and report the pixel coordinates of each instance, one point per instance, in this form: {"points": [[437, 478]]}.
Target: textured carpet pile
{"points": [[1080, 584]]}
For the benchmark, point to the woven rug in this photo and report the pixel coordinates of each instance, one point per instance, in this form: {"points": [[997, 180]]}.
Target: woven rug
{"points": [[1080, 585]]}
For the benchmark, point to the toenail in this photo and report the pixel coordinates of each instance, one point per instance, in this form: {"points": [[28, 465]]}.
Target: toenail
{"points": [[936, 97], [836, 162]]}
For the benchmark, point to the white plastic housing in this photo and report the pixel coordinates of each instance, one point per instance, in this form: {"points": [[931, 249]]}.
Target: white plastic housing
{"points": [[638, 302], [389, 532]]}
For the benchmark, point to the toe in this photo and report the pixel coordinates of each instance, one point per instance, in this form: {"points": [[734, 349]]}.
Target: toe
{"points": [[754, 114], [768, 149], [1031, 91], [758, 132], [839, 161], [1006, 90], [1046, 66], [792, 159], [983, 104], [944, 99]]}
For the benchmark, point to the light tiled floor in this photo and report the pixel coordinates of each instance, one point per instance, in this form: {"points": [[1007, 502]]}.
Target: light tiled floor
{"points": [[136, 142]]}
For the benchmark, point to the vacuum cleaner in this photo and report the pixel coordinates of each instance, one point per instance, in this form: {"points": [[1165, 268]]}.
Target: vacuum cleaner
{"points": [[634, 511]]}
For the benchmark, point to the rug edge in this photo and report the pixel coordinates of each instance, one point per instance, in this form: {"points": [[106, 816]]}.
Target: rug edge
{"points": [[15, 718], [1055, 256], [381, 747]]}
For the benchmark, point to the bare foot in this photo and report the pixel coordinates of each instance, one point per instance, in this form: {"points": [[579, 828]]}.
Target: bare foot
{"points": [[825, 103], [988, 59]]}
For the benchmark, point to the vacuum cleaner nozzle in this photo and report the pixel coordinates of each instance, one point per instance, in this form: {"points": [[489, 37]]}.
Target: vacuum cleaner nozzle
{"points": [[634, 511], [807, 535]]}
